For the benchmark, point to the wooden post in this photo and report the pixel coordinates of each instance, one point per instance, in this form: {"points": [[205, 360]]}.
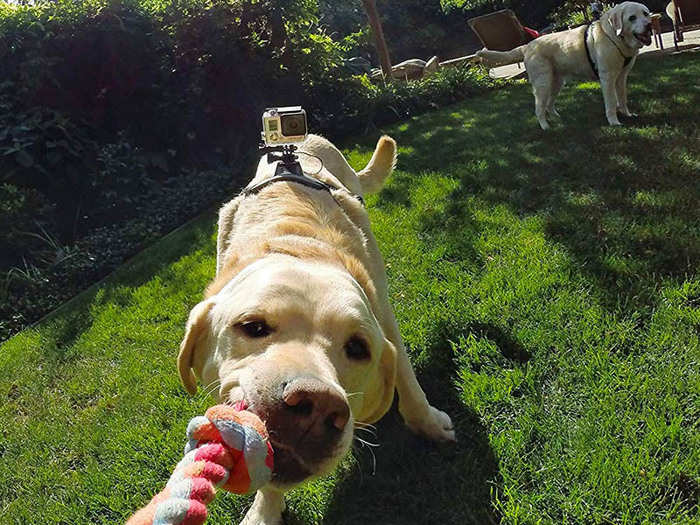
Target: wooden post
{"points": [[379, 41]]}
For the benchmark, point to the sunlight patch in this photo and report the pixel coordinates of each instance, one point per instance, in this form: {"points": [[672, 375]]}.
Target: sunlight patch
{"points": [[682, 98], [652, 199], [588, 86], [692, 163], [583, 199], [647, 132], [623, 162]]}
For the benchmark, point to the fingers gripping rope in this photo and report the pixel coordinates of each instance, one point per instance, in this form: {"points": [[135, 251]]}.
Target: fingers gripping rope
{"points": [[227, 448]]}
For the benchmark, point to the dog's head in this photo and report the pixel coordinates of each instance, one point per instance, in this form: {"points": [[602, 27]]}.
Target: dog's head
{"points": [[298, 342], [631, 22]]}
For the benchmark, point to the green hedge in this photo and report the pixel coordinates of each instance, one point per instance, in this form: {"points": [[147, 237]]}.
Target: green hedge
{"points": [[104, 103]]}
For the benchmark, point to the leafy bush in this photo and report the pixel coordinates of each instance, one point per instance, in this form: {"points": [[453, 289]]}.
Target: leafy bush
{"points": [[573, 13], [360, 104], [111, 111], [46, 156], [413, 29], [18, 209], [531, 12]]}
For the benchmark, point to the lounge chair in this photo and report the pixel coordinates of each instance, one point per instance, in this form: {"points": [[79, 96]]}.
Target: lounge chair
{"points": [[501, 31], [685, 15]]}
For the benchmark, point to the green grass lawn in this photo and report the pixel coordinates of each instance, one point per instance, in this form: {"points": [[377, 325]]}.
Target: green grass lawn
{"points": [[546, 286]]}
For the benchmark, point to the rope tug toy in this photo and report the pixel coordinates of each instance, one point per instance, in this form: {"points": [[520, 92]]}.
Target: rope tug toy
{"points": [[227, 448]]}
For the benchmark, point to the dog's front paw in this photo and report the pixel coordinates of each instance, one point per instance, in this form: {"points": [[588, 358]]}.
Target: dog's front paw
{"points": [[435, 425]]}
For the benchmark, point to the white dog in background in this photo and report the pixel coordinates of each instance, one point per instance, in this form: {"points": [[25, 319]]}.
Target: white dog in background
{"points": [[606, 49]]}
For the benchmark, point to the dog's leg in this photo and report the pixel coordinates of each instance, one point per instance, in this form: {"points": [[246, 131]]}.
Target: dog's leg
{"points": [[607, 84], [267, 508], [541, 99], [541, 77], [413, 405], [557, 83], [621, 86], [419, 415]]}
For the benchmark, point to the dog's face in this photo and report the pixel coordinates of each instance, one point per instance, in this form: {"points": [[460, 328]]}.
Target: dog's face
{"points": [[298, 342], [631, 22]]}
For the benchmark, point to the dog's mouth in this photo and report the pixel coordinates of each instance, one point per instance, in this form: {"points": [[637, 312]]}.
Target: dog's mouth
{"points": [[291, 467], [644, 38]]}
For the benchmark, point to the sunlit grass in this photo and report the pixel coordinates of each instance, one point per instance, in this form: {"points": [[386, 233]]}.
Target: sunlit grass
{"points": [[546, 286]]}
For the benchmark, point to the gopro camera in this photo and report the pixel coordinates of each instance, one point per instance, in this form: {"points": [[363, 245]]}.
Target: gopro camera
{"points": [[283, 126]]}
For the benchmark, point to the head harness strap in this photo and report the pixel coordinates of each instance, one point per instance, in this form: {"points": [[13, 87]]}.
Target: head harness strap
{"points": [[284, 174]]}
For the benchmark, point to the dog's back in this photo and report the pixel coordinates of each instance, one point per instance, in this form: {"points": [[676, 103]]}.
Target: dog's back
{"points": [[287, 217]]}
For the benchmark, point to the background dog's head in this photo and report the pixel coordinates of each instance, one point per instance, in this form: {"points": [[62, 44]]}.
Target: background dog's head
{"points": [[630, 22], [298, 342]]}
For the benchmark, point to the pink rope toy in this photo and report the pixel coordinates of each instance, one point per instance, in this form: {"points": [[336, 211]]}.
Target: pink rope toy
{"points": [[227, 448]]}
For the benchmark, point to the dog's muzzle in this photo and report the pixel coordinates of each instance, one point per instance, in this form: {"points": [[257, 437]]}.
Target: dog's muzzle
{"points": [[645, 37], [306, 419]]}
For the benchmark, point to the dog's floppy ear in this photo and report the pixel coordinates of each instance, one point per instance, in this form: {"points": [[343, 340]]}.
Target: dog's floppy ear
{"points": [[197, 324], [380, 392], [615, 19]]}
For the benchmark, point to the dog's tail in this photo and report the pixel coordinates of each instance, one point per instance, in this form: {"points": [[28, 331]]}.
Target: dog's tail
{"points": [[501, 58], [380, 165]]}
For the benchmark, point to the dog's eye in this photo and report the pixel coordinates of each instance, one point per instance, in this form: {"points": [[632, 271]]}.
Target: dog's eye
{"points": [[356, 349], [646, 14], [633, 18], [255, 329]]}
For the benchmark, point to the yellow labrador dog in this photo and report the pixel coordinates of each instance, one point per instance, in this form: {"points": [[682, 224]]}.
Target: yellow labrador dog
{"points": [[606, 50], [297, 321]]}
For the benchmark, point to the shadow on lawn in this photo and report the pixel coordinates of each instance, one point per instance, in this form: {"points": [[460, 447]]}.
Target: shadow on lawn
{"points": [[416, 481], [622, 200]]}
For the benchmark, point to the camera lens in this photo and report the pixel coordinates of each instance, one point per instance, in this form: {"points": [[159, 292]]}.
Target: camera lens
{"points": [[293, 125]]}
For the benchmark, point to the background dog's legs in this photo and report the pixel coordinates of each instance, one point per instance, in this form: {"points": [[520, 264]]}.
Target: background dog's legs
{"points": [[608, 85], [267, 508], [557, 83], [541, 77], [621, 87]]}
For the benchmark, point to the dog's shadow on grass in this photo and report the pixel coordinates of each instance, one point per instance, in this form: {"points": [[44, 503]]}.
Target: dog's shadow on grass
{"points": [[407, 479]]}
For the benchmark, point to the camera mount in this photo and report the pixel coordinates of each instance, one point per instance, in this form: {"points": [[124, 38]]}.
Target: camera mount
{"points": [[283, 128], [289, 170], [286, 153]]}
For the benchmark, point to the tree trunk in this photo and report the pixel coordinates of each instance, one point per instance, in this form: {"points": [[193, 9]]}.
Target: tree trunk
{"points": [[379, 42]]}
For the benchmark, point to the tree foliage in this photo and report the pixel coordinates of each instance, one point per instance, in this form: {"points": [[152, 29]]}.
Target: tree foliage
{"points": [[112, 110], [535, 12], [413, 28], [531, 12], [464, 4]]}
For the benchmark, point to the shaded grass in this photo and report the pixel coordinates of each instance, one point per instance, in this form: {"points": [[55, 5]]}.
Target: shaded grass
{"points": [[546, 286]]}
